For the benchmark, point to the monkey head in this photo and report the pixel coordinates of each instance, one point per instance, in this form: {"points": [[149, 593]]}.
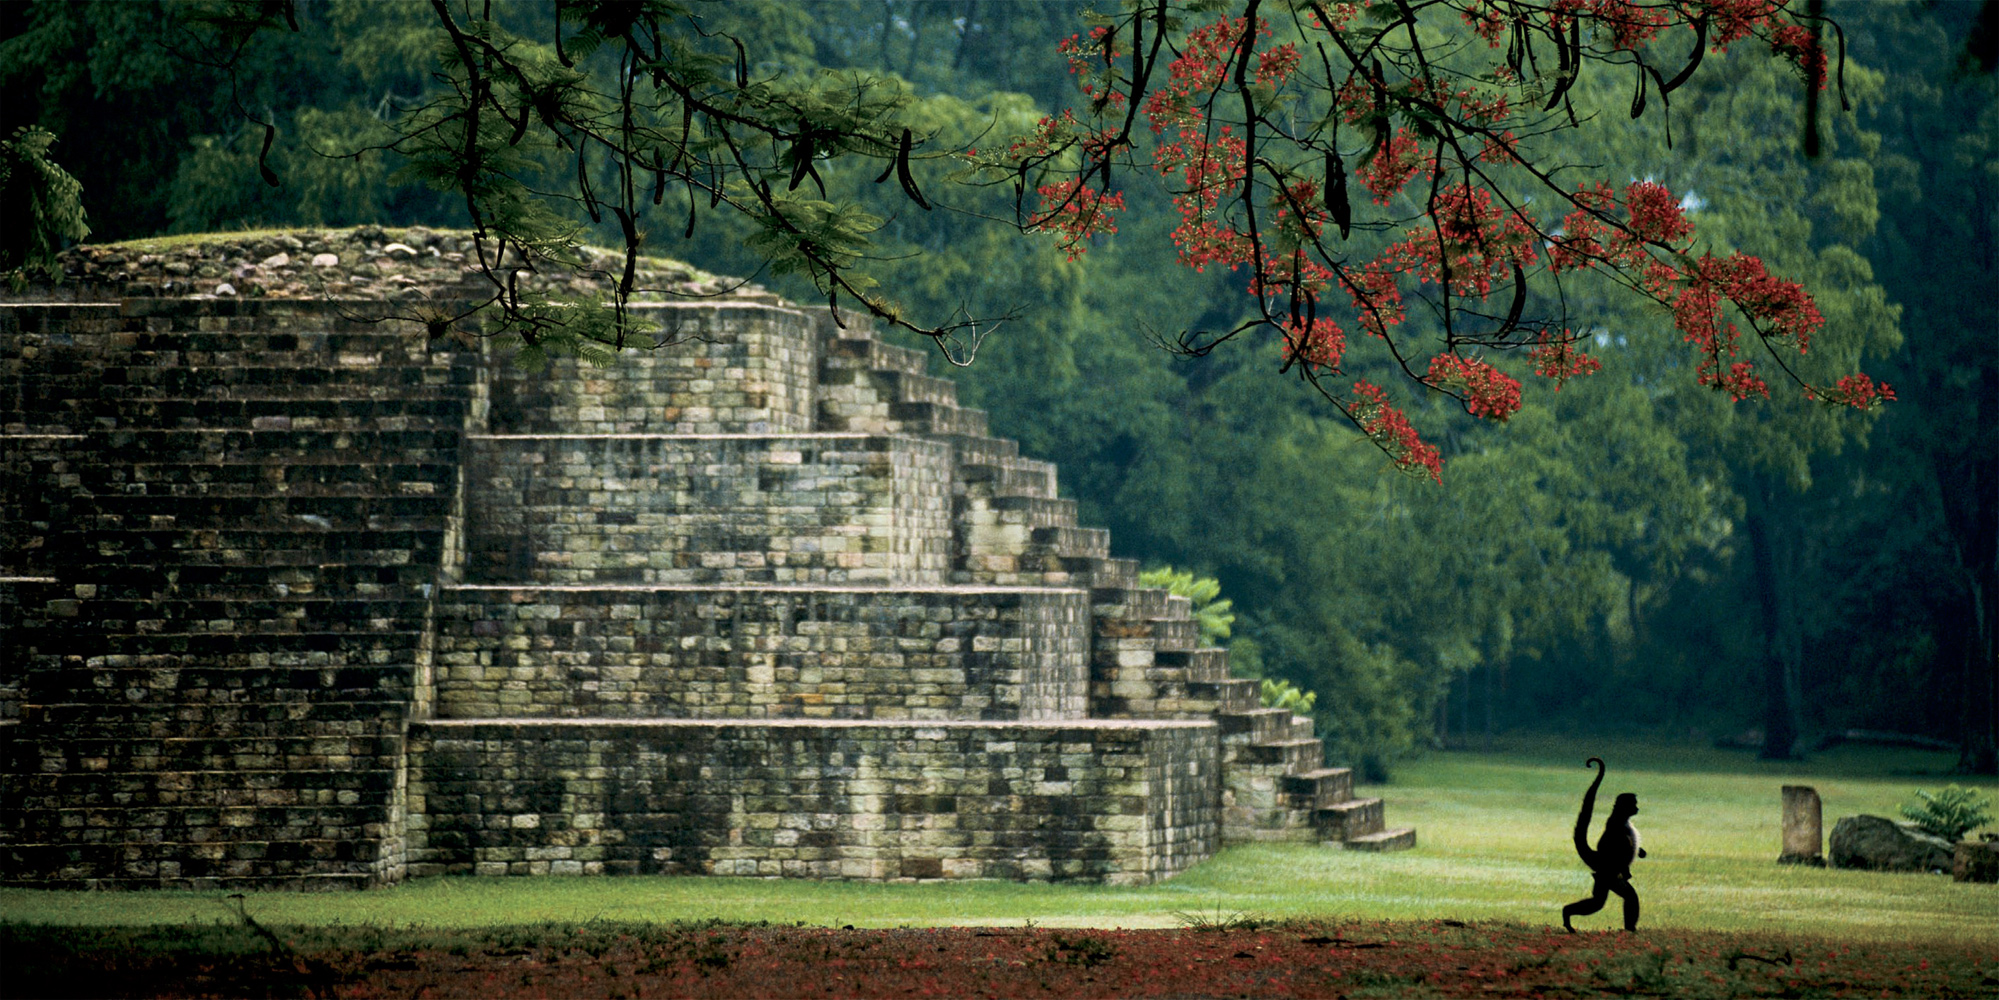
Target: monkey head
{"points": [[1626, 805]]}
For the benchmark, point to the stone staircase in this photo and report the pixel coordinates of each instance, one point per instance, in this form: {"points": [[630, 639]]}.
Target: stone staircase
{"points": [[1146, 661], [232, 517], [294, 593]]}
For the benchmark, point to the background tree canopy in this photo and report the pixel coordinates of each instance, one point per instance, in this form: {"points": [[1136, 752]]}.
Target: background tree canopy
{"points": [[1630, 549]]}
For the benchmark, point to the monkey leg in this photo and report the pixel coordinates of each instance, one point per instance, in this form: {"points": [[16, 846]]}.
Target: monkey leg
{"points": [[1599, 894], [1630, 897]]}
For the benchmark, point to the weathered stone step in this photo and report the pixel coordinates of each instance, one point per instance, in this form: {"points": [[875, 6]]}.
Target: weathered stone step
{"points": [[856, 324], [281, 405], [1107, 573], [317, 518], [1401, 838], [1128, 602], [1135, 695], [1071, 543], [1118, 668], [117, 391], [1063, 571], [1162, 633], [1171, 634], [862, 416], [1318, 789], [1231, 695], [160, 346], [318, 443], [1208, 663], [1293, 755], [1035, 512], [117, 730], [889, 357], [994, 554], [1350, 819], [1275, 825], [936, 418], [908, 387], [111, 714], [300, 491], [846, 351], [980, 450], [1010, 477], [1258, 725]]}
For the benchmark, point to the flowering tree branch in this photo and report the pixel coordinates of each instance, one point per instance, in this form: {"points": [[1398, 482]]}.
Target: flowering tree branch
{"points": [[1262, 126]]}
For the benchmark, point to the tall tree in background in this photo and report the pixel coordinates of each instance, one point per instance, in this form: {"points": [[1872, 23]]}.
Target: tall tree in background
{"points": [[1805, 215], [1407, 208], [165, 116], [1936, 242], [1258, 123]]}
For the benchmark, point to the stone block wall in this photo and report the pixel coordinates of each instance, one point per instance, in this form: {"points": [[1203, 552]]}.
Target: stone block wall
{"points": [[727, 368], [723, 509], [10, 626], [224, 515], [750, 653], [303, 592], [1121, 802]]}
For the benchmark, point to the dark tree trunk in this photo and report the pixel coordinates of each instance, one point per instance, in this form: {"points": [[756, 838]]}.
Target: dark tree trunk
{"points": [[1968, 485], [918, 16], [888, 28], [1004, 44], [1981, 538], [1980, 753], [1772, 555], [970, 27]]}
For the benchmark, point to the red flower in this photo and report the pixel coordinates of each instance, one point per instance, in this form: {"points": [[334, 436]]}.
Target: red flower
{"points": [[1488, 393], [1390, 430]]}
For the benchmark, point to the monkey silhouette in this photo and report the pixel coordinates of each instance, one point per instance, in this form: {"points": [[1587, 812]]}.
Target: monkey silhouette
{"points": [[1610, 861]]}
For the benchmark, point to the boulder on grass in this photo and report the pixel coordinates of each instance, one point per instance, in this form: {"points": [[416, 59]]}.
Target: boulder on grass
{"points": [[1881, 844], [1976, 861]]}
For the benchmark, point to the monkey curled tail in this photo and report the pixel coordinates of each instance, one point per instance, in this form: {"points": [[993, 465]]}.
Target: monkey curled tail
{"points": [[1610, 860]]}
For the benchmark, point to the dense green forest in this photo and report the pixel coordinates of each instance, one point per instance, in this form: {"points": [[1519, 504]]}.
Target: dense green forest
{"points": [[1630, 551]]}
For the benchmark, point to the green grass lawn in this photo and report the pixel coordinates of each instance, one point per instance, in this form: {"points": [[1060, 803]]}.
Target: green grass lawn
{"points": [[1494, 845]]}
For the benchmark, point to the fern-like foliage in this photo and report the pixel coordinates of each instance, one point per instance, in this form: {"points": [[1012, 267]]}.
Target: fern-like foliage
{"points": [[540, 329], [1950, 813], [1284, 694], [42, 203], [1211, 610]]}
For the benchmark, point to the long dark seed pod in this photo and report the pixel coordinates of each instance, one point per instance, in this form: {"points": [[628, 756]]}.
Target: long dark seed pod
{"points": [[1519, 301], [1693, 58], [1336, 192], [902, 175], [263, 166], [1572, 62]]}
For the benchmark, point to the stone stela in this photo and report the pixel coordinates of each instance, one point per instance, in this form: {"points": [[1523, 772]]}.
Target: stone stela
{"points": [[297, 592], [1804, 827]]}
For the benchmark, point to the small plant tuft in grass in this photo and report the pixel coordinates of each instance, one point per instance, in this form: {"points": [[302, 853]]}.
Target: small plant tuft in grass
{"points": [[1951, 813], [1219, 920]]}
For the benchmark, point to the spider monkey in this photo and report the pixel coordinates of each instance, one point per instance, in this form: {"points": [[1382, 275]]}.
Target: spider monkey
{"points": [[1610, 862]]}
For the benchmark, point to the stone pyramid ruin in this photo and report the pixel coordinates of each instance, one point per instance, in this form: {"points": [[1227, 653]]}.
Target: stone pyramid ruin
{"points": [[297, 592]]}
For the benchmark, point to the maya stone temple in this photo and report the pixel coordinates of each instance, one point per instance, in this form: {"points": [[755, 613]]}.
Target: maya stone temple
{"points": [[302, 587]]}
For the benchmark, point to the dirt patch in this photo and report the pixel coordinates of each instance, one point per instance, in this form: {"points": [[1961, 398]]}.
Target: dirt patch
{"points": [[1358, 959]]}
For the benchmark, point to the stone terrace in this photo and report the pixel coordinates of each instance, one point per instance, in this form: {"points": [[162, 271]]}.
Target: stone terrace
{"points": [[294, 592]]}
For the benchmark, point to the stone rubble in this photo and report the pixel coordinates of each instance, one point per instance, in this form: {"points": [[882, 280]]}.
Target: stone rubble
{"points": [[364, 262]]}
